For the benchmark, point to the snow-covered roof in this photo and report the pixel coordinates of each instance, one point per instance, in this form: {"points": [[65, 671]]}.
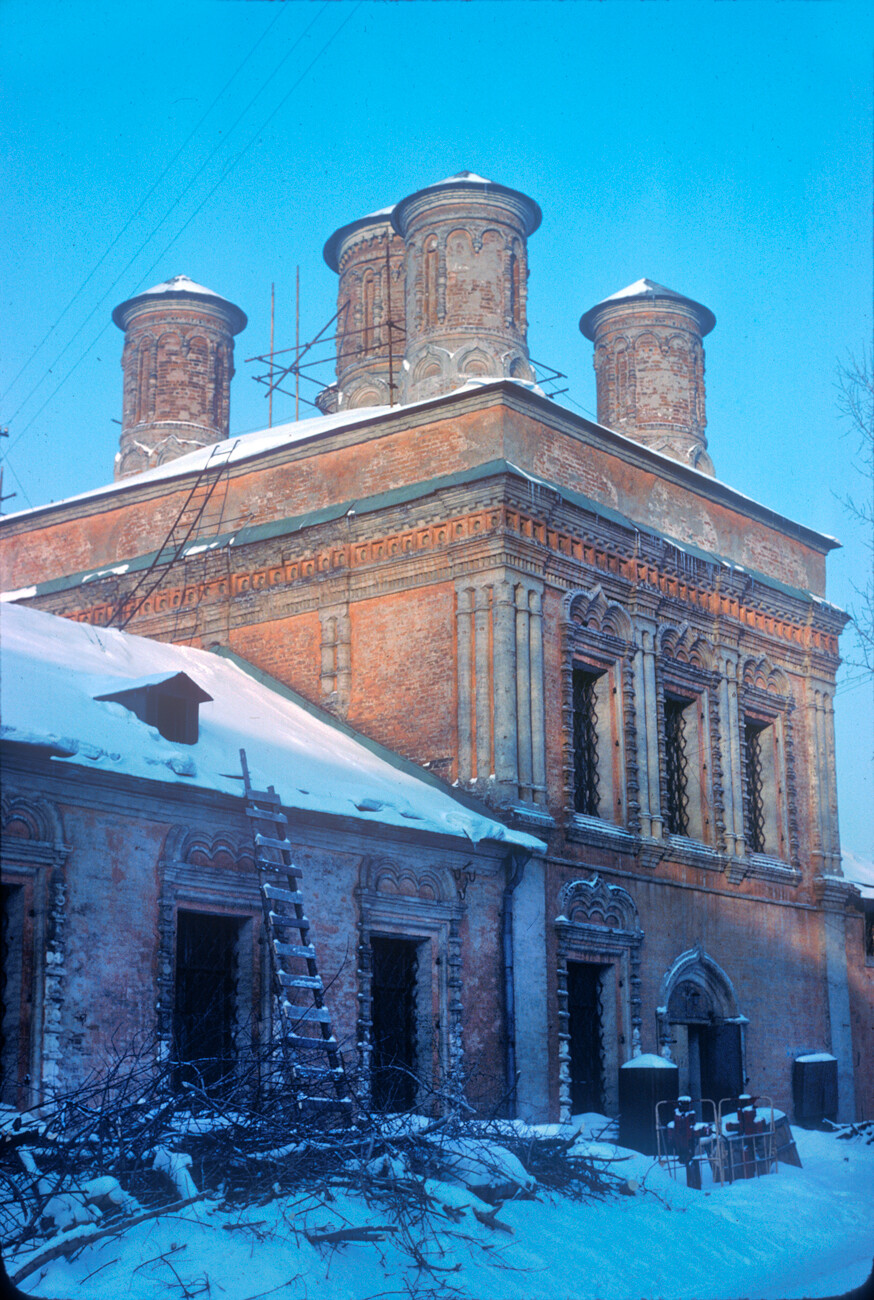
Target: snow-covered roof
{"points": [[642, 290], [331, 251], [52, 669], [471, 181], [248, 446], [180, 286]]}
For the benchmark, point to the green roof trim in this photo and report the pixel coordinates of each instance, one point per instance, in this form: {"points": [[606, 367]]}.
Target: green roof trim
{"points": [[254, 533]]}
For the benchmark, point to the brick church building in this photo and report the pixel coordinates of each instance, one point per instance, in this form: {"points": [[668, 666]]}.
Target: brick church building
{"points": [[575, 622]]}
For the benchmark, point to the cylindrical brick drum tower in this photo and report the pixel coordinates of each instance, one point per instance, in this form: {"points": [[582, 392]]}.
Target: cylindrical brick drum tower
{"points": [[178, 362], [370, 302], [649, 368], [466, 283]]}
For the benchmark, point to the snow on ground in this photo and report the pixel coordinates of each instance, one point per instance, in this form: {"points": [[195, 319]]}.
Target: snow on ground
{"points": [[799, 1232]]}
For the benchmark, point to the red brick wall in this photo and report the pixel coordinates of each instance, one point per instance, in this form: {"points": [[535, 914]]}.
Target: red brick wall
{"points": [[288, 649], [320, 475], [403, 681]]}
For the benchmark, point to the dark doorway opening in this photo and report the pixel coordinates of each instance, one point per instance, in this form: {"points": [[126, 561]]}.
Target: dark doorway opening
{"points": [[205, 1019], [586, 1030], [716, 1058], [393, 1017], [11, 976]]}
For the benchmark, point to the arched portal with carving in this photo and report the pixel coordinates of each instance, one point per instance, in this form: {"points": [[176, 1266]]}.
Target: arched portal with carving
{"points": [[598, 988], [701, 1025]]}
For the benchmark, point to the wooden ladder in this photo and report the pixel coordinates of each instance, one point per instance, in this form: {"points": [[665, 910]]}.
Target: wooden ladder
{"points": [[305, 1021]]}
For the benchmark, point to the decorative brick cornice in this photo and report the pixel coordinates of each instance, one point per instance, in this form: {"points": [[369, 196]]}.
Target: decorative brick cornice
{"points": [[834, 894]]}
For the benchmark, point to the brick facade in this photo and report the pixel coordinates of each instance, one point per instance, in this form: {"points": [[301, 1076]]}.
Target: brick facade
{"points": [[444, 577]]}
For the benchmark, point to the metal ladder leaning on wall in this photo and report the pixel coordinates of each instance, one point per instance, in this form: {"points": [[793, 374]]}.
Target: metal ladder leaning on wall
{"points": [[297, 986]]}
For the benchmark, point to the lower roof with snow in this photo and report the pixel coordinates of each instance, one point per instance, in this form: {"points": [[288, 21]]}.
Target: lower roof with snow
{"points": [[54, 670]]}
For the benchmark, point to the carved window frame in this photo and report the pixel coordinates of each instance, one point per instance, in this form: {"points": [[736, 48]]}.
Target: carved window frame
{"points": [[598, 639], [599, 923], [214, 887], [685, 673], [397, 900], [765, 699], [36, 864]]}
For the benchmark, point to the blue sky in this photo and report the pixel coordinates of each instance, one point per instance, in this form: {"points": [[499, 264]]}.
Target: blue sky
{"points": [[722, 149]]}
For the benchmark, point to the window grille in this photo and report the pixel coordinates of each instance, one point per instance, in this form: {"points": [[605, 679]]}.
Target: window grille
{"points": [[585, 743], [755, 827], [676, 768]]}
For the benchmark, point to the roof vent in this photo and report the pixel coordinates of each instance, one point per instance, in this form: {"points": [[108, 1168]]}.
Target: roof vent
{"points": [[169, 702]]}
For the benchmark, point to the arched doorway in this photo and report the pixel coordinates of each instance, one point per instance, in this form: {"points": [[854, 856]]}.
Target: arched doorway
{"points": [[701, 1028]]}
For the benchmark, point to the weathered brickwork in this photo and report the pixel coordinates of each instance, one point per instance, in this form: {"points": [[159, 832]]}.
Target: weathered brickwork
{"points": [[520, 599], [649, 366], [178, 363], [397, 452], [129, 874], [371, 333]]}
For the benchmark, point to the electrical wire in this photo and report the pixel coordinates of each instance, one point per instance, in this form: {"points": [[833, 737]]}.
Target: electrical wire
{"points": [[584, 409], [6, 465], [156, 228], [219, 182], [145, 199]]}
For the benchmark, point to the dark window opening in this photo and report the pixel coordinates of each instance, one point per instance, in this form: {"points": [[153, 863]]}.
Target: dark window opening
{"points": [[174, 716], [676, 767], [755, 827], [205, 1019], [393, 1018], [585, 1027], [585, 743], [869, 930]]}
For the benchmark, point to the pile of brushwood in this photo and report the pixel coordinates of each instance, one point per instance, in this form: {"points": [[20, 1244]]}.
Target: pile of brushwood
{"points": [[863, 1129], [141, 1141]]}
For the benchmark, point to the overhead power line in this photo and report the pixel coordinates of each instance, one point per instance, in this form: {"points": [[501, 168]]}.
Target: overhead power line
{"points": [[171, 209], [145, 199], [218, 183]]}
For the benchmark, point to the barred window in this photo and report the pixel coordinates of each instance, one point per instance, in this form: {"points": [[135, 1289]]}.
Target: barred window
{"points": [[585, 742], [755, 801], [676, 767]]}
